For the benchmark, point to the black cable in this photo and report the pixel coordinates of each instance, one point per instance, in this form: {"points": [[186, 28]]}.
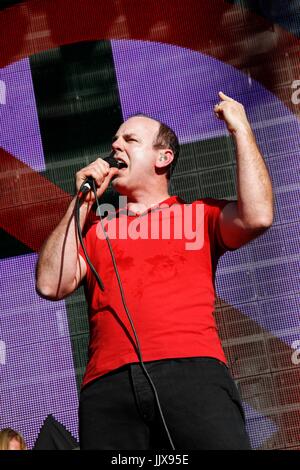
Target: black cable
{"points": [[137, 343], [77, 217]]}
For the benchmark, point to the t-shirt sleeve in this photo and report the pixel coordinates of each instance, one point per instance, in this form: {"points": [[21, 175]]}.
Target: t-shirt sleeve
{"points": [[213, 209]]}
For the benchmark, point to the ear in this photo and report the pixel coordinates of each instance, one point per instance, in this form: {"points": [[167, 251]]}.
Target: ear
{"points": [[164, 158]]}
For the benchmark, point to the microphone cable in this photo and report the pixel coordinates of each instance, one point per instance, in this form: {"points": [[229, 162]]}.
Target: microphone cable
{"points": [[101, 285]]}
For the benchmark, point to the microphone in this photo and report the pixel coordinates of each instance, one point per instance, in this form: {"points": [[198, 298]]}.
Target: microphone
{"points": [[88, 183]]}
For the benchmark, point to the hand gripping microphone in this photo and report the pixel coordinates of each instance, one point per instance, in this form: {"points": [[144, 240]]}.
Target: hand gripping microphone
{"points": [[87, 184]]}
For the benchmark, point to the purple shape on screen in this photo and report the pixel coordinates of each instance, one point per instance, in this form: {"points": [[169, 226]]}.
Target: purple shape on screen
{"points": [[164, 82], [19, 125], [37, 362], [260, 428], [180, 87]]}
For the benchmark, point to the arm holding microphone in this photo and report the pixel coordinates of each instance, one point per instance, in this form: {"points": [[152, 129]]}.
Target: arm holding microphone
{"points": [[60, 268]]}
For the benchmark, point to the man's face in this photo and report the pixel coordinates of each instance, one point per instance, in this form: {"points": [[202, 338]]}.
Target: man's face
{"points": [[133, 144]]}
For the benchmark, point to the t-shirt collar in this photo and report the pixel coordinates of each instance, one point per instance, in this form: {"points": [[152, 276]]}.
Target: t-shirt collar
{"points": [[166, 202]]}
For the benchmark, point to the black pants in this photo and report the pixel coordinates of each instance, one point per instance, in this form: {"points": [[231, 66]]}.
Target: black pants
{"points": [[198, 396]]}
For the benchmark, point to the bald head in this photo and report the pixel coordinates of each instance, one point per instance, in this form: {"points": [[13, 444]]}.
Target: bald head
{"points": [[165, 138]]}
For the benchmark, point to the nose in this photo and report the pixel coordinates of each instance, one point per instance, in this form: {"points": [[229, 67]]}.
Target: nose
{"points": [[117, 145]]}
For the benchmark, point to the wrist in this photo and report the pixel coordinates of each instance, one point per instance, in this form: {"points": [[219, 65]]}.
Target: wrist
{"points": [[84, 206], [243, 130]]}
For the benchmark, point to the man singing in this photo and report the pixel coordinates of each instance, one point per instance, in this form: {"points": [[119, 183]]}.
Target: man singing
{"points": [[168, 284]]}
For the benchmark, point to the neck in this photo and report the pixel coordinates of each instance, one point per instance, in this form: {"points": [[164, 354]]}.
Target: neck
{"points": [[144, 201]]}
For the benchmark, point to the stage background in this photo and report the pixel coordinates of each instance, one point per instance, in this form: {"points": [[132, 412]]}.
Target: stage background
{"points": [[69, 76]]}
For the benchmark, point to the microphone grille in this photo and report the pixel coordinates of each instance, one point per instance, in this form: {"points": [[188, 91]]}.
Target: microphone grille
{"points": [[111, 161]]}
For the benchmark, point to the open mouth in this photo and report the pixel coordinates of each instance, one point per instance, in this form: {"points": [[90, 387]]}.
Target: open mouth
{"points": [[121, 164]]}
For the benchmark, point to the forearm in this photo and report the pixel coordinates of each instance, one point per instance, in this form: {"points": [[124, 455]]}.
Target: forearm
{"points": [[58, 265], [254, 187]]}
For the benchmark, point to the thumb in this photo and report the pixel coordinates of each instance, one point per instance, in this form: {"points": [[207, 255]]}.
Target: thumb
{"points": [[112, 172]]}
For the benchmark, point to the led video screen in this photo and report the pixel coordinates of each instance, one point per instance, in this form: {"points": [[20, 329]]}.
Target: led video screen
{"points": [[65, 87]]}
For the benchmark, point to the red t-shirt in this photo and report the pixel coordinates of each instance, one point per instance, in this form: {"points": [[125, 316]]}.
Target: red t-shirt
{"points": [[168, 285]]}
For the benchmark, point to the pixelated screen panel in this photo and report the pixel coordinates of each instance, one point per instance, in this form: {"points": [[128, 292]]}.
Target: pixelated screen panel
{"points": [[59, 110]]}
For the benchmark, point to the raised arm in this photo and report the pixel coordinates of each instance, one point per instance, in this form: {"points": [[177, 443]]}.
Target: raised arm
{"points": [[252, 214], [60, 268]]}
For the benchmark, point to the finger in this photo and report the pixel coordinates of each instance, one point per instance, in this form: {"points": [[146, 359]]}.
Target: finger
{"points": [[98, 174], [218, 115], [224, 97], [106, 181], [219, 110], [102, 163], [218, 107]]}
